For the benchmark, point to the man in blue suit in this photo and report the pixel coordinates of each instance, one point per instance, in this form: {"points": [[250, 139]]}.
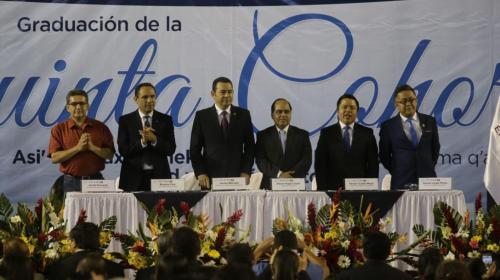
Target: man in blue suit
{"points": [[409, 142]]}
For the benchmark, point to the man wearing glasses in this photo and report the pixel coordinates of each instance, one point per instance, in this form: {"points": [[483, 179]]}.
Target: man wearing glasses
{"points": [[80, 144], [409, 142]]}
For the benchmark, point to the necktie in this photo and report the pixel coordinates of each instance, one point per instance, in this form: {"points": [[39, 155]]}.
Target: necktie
{"points": [[413, 133], [224, 122], [346, 138], [147, 122], [283, 139]]}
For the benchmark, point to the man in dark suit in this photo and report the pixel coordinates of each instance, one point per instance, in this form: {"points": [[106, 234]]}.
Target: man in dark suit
{"points": [[283, 150], [86, 238], [409, 142], [222, 142], [145, 139], [345, 149], [376, 249]]}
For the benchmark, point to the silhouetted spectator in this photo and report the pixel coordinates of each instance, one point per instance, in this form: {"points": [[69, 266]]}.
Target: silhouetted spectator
{"points": [[428, 262]]}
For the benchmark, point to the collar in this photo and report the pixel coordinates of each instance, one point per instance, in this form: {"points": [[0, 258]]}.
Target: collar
{"points": [[285, 129], [86, 122], [413, 118], [342, 125], [219, 110], [142, 115]]}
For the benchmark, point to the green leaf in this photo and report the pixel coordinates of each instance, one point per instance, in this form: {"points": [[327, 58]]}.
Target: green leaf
{"points": [[419, 230], [108, 224], [6, 208], [323, 216]]}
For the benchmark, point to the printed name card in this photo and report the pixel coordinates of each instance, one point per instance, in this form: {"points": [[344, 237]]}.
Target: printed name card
{"points": [[433, 184], [361, 184], [167, 185], [98, 186], [288, 184], [229, 184]]}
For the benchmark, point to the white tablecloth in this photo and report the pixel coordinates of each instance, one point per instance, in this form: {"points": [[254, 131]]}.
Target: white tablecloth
{"points": [[260, 208]]}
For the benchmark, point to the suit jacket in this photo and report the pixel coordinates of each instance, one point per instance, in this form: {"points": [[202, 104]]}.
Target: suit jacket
{"points": [[374, 270], [65, 268], [334, 163], [129, 145], [218, 156], [270, 158], [406, 163]]}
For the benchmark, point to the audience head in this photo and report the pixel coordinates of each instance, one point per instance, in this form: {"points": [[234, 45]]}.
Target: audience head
{"points": [[16, 263], [240, 254], [428, 261], [285, 239], [172, 266], [376, 246], [452, 270], [185, 242], [285, 265], [86, 236], [164, 242], [476, 268], [231, 272], [92, 266]]}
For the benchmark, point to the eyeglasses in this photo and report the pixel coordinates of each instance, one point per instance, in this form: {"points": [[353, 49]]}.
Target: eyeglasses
{"points": [[75, 104], [404, 101]]}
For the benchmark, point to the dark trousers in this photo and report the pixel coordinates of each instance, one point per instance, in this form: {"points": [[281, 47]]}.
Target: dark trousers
{"points": [[146, 176], [74, 183]]}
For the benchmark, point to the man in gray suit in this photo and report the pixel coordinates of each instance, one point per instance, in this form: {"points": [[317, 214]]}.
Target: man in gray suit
{"points": [[283, 150]]}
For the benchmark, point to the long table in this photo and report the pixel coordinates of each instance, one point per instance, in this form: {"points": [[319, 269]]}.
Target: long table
{"points": [[260, 208]]}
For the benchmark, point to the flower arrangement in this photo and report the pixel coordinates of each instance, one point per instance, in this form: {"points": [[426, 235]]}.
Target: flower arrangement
{"points": [[43, 229], [461, 237], [140, 249], [336, 232]]}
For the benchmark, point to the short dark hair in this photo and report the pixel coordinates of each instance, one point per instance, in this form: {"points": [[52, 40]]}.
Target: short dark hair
{"points": [[220, 80], [376, 246], [287, 239], [85, 235], [347, 96], [92, 262], [241, 254], [141, 85], [428, 261], [279, 99], [164, 241], [76, 92], [185, 242], [401, 88]]}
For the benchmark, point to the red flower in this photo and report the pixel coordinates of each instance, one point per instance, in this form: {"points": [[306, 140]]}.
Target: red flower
{"points": [[140, 249], [449, 218], [56, 234], [38, 208], [233, 219], [185, 208], [458, 244], [336, 197], [221, 235], [478, 202], [311, 215], [495, 233], [160, 206], [83, 216], [42, 237]]}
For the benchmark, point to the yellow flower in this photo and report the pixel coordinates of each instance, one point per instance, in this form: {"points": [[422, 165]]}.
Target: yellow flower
{"points": [[476, 238], [29, 242], [104, 237], [137, 260], [492, 247], [153, 228], [214, 254], [331, 235], [67, 246], [205, 247], [108, 256]]}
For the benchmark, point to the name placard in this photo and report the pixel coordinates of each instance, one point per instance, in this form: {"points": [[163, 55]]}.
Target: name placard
{"points": [[167, 185], [229, 184], [288, 184], [361, 184], [98, 186], [432, 184]]}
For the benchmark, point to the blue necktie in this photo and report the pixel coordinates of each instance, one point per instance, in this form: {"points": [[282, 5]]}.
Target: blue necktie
{"points": [[413, 133], [346, 138], [283, 139]]}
